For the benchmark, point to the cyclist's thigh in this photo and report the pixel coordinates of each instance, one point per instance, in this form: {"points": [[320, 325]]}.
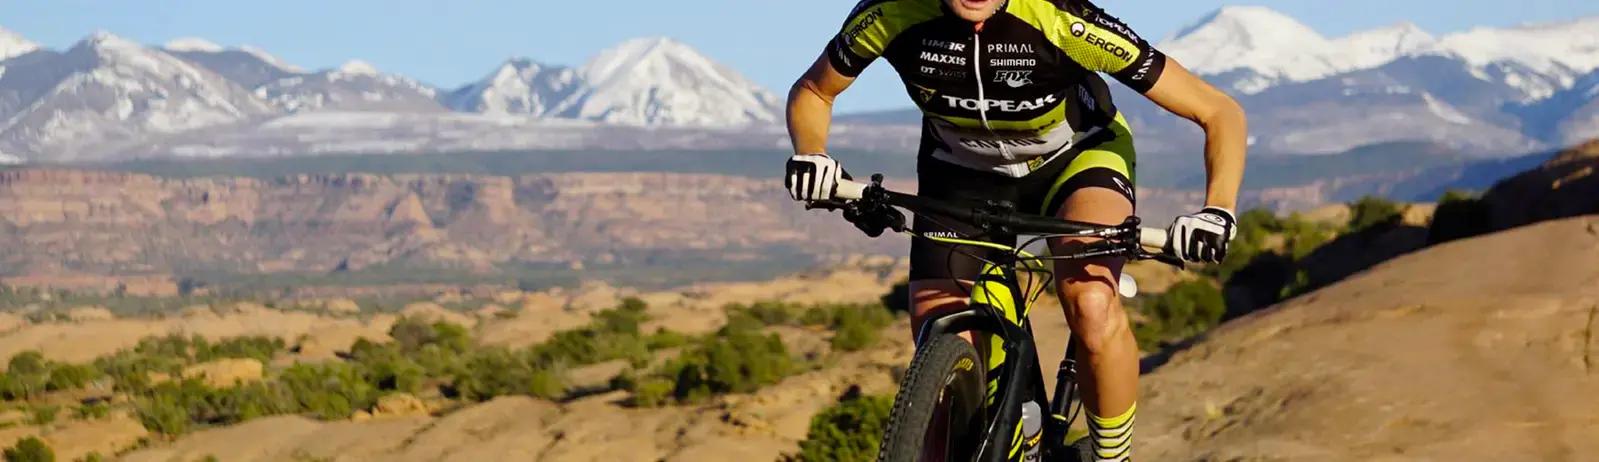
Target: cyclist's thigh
{"points": [[941, 274], [1095, 187]]}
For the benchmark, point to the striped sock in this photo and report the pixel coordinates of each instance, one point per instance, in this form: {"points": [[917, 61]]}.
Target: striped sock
{"points": [[1112, 437]]}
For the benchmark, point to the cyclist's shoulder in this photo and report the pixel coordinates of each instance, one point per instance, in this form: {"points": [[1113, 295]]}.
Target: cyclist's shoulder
{"points": [[895, 10]]}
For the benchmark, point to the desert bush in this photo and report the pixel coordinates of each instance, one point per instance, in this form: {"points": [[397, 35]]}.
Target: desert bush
{"points": [[848, 431], [1372, 212], [498, 372], [612, 334], [1185, 309], [328, 390], [30, 449], [93, 411], [734, 360]]}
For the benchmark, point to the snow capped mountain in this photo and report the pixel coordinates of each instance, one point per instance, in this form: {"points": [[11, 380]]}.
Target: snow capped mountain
{"points": [[12, 44], [1372, 48], [1257, 48], [519, 86], [1564, 51], [192, 44], [245, 66], [107, 89], [1270, 44], [659, 81], [354, 86]]}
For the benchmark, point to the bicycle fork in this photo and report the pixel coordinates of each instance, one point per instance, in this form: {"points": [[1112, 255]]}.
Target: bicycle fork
{"points": [[1062, 409]]}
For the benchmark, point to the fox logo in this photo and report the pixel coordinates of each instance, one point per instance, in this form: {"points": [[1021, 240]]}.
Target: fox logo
{"points": [[1014, 79]]}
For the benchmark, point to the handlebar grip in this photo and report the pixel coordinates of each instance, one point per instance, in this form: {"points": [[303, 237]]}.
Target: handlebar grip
{"points": [[1154, 238], [849, 190]]}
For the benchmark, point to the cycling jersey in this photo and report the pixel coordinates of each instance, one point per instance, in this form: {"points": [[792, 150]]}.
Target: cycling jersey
{"points": [[1010, 94]]}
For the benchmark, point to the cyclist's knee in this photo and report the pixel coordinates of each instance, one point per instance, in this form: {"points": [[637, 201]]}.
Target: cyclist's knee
{"points": [[1097, 317]]}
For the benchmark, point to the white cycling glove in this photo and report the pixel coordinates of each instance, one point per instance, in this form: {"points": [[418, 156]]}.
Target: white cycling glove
{"points": [[812, 177], [1202, 237]]}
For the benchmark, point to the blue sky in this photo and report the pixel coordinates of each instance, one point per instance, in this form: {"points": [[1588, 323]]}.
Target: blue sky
{"points": [[771, 41]]}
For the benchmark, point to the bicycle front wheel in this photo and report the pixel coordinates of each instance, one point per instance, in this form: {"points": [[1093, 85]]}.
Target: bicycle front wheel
{"points": [[938, 414]]}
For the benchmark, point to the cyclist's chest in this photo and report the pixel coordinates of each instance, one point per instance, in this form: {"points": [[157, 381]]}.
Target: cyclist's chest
{"points": [[1009, 67]]}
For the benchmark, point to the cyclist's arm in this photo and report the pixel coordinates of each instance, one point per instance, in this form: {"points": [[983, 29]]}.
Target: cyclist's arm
{"points": [[1103, 43], [1226, 128], [810, 106]]}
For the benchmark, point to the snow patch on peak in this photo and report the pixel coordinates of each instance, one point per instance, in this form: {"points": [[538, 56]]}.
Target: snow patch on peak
{"points": [[194, 44], [519, 86], [270, 59], [103, 39], [1272, 48], [1569, 48], [356, 67], [7, 159], [1372, 48], [660, 81], [12, 44], [1256, 38]]}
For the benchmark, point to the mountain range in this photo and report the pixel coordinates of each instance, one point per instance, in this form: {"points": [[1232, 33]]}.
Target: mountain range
{"points": [[1484, 92], [107, 97]]}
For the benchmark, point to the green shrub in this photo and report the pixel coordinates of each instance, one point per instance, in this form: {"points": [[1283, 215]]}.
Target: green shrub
{"points": [[612, 334], [1372, 212], [43, 414], [848, 431], [499, 372], [734, 360], [70, 376], [30, 449], [1186, 309], [329, 390], [94, 411], [652, 392], [164, 414]]}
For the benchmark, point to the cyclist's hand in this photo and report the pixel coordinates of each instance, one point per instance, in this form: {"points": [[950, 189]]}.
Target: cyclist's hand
{"points": [[812, 177], [1202, 237]]}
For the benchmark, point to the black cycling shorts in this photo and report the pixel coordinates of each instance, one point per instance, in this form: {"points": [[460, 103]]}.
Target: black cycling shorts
{"points": [[1108, 163]]}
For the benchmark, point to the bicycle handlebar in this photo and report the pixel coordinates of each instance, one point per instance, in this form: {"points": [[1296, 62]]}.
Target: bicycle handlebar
{"points": [[1147, 238]]}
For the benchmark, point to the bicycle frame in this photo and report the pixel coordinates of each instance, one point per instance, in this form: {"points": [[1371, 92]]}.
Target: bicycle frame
{"points": [[999, 310]]}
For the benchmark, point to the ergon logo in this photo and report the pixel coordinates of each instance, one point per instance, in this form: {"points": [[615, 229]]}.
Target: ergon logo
{"points": [[943, 58], [1113, 49], [1014, 79], [1078, 29], [866, 21], [1000, 104]]}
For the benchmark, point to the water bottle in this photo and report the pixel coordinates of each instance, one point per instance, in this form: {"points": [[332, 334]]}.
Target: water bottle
{"points": [[1032, 426]]}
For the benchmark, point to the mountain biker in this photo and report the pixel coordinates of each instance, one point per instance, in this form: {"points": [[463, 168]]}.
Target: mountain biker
{"points": [[1014, 110]]}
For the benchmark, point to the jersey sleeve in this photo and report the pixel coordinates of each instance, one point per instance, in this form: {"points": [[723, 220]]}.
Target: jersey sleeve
{"points": [[863, 38], [1102, 43]]}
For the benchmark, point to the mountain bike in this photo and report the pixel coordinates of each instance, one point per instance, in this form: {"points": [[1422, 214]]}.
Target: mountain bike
{"points": [[943, 394]]}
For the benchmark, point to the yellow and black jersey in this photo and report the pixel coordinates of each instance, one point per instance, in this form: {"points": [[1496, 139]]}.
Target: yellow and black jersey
{"points": [[1010, 93]]}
